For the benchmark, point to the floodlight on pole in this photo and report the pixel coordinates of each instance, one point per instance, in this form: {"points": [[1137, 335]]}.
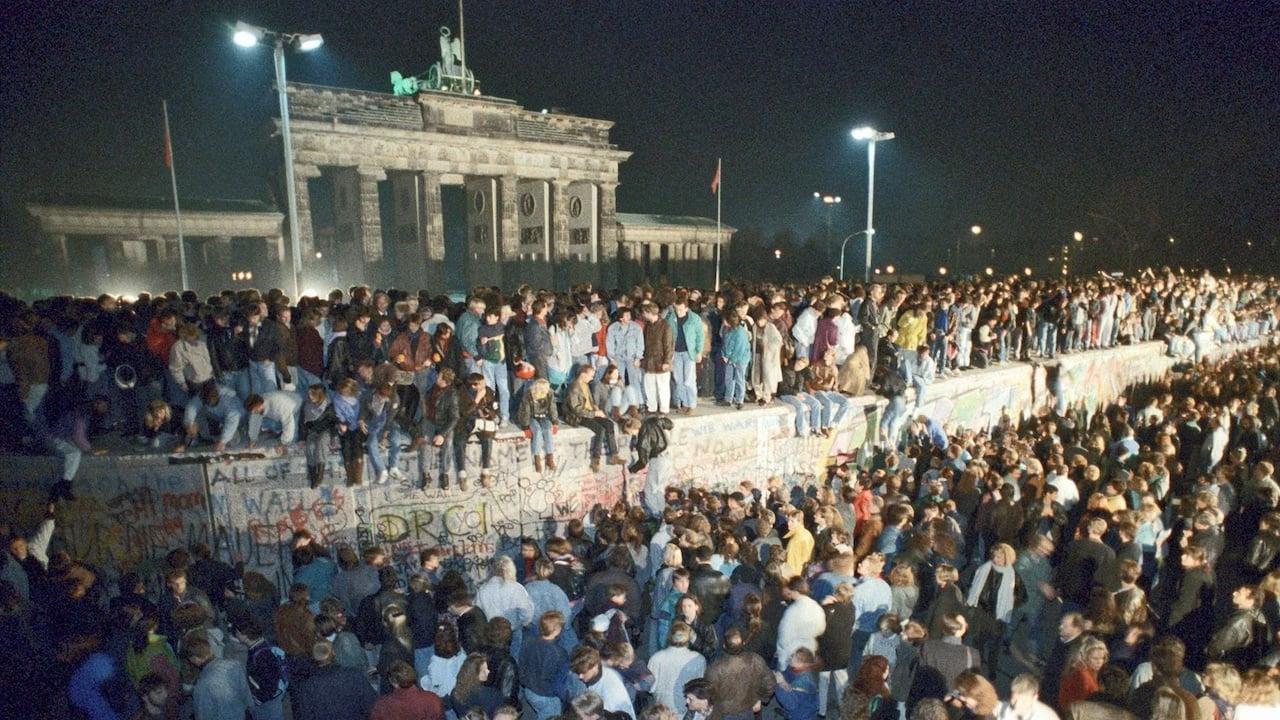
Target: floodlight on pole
{"points": [[307, 43], [246, 35], [871, 136]]}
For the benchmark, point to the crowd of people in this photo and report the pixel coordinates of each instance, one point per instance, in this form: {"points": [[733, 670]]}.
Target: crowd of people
{"points": [[372, 375], [1123, 563]]}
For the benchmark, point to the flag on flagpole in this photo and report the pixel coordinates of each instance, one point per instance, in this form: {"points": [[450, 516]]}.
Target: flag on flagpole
{"points": [[168, 146], [715, 181]]}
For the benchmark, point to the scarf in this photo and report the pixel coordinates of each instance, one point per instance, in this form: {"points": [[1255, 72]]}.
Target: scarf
{"points": [[1004, 594], [312, 411]]}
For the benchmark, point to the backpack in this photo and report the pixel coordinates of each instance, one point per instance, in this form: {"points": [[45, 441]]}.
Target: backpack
{"points": [[267, 673]]}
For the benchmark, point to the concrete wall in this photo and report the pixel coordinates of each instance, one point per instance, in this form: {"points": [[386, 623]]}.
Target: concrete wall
{"points": [[130, 511]]}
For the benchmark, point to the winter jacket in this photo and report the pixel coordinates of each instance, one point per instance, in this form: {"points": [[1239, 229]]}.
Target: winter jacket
{"points": [[694, 332], [416, 350], [447, 413], [736, 346], [537, 345], [625, 343], [659, 347], [578, 404], [468, 331], [190, 364], [651, 441], [310, 350], [530, 408]]}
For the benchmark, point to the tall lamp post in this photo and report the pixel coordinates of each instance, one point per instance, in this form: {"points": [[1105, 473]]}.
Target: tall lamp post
{"points": [[246, 35], [872, 136]]}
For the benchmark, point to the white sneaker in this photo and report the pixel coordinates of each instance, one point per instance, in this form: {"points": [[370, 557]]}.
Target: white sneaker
{"points": [[397, 475], [382, 477]]}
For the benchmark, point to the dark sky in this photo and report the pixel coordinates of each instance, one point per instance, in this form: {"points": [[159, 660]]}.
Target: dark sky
{"points": [[1023, 117]]}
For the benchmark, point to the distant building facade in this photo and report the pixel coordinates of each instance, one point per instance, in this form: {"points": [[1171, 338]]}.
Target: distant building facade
{"points": [[534, 201]]}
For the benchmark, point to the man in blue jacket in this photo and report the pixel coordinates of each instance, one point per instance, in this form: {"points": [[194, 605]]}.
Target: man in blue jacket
{"points": [[689, 334]]}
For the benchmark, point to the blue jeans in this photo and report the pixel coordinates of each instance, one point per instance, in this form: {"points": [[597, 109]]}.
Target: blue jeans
{"points": [[808, 412], [892, 420], [834, 406], [684, 374], [495, 376], [34, 412], [1047, 339], [422, 658], [70, 455], [735, 382], [373, 449], [631, 375], [658, 474], [938, 350], [544, 707], [540, 436], [920, 386], [262, 377], [622, 399]]}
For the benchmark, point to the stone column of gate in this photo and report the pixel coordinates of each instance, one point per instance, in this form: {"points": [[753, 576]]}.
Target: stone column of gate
{"points": [[370, 216], [609, 271], [559, 246], [509, 232], [432, 223], [302, 192]]}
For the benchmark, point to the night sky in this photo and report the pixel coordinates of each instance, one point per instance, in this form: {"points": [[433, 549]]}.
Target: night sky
{"points": [[1022, 117]]}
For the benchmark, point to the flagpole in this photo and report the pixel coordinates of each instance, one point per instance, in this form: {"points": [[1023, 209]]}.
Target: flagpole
{"points": [[177, 210], [719, 180]]}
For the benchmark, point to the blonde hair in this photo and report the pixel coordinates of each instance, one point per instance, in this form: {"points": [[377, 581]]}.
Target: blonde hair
{"points": [[1006, 550], [1224, 680], [1257, 688], [672, 555]]}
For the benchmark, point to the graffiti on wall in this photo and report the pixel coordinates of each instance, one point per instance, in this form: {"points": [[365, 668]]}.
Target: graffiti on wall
{"points": [[127, 516], [131, 511]]}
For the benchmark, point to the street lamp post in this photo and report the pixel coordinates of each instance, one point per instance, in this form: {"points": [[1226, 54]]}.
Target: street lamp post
{"points": [[246, 35], [872, 137], [845, 242]]}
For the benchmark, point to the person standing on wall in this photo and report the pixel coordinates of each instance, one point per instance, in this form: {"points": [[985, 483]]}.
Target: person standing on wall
{"points": [[655, 362]]}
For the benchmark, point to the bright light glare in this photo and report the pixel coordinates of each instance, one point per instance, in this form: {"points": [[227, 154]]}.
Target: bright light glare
{"points": [[1078, 236], [1026, 271], [246, 35], [863, 133], [990, 271], [817, 194], [837, 198], [942, 271], [307, 43], [889, 269], [976, 229], [777, 254], [310, 293]]}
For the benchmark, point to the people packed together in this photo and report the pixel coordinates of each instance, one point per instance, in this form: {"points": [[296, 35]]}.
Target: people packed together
{"points": [[1117, 562], [370, 376]]}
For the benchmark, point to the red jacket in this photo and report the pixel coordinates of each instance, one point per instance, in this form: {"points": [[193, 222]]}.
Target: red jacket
{"points": [[159, 340]]}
